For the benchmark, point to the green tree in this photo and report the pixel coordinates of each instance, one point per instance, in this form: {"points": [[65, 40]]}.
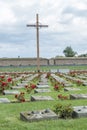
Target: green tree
{"points": [[68, 52], [83, 55]]}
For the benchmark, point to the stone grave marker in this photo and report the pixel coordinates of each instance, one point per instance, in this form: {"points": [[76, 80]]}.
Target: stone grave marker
{"points": [[4, 100], [10, 92], [25, 82], [65, 71], [84, 83], [21, 85], [43, 83], [41, 90], [61, 80], [68, 84], [79, 111], [78, 96], [42, 86], [17, 87], [82, 77], [39, 115], [41, 98], [53, 70], [71, 89]]}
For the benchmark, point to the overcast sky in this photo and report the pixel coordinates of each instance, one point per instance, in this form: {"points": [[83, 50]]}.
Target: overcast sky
{"points": [[67, 21]]}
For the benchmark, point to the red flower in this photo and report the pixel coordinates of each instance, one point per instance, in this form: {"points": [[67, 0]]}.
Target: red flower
{"points": [[79, 82], [65, 97], [22, 100], [33, 86], [2, 77], [26, 86], [56, 87], [60, 96], [20, 97], [9, 79], [4, 84]]}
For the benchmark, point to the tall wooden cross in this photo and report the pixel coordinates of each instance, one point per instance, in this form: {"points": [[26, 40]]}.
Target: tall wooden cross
{"points": [[37, 26]]}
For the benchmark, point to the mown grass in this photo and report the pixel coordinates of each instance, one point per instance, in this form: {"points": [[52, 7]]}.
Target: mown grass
{"points": [[10, 118], [10, 113], [42, 68]]}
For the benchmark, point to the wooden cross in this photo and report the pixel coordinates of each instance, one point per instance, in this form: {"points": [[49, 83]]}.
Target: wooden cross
{"points": [[37, 26]]}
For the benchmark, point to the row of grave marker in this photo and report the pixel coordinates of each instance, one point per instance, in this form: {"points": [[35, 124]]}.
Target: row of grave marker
{"points": [[80, 111]]}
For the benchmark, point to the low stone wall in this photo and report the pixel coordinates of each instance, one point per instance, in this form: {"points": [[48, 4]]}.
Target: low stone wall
{"points": [[71, 61], [21, 61], [43, 61]]}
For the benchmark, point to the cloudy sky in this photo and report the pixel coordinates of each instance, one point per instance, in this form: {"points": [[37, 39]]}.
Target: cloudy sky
{"points": [[67, 21]]}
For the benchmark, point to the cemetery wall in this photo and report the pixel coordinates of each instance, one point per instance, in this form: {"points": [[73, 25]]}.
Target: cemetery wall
{"points": [[43, 61], [22, 61], [71, 61]]}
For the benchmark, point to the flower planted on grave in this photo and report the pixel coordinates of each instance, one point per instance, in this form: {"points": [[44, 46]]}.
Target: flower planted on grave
{"points": [[79, 82], [5, 83], [56, 87], [9, 81], [48, 75], [62, 85], [52, 81], [72, 73], [36, 79], [63, 111], [20, 97], [3, 86], [30, 87], [62, 97], [2, 78], [22, 79]]}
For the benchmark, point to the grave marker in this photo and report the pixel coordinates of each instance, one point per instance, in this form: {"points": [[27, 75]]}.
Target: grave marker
{"points": [[42, 86], [71, 89], [43, 83], [38, 115], [53, 70], [80, 111], [84, 83], [4, 100], [41, 98], [17, 87], [65, 71], [10, 92], [78, 96], [41, 90]]}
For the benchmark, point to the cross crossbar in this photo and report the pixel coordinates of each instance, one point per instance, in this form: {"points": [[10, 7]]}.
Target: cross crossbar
{"points": [[33, 25]]}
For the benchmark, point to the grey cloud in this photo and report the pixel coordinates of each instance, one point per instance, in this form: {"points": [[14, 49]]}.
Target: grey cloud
{"points": [[75, 11]]}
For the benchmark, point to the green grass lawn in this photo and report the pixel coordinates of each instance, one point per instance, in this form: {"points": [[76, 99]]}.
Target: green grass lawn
{"points": [[10, 119], [42, 68], [10, 113]]}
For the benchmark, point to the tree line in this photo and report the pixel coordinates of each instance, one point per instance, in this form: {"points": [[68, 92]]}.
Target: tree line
{"points": [[69, 52]]}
